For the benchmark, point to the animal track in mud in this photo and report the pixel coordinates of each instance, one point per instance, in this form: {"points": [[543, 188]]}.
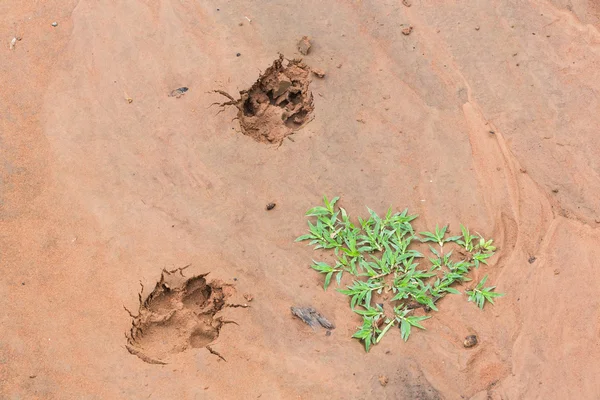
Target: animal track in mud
{"points": [[278, 103], [177, 315]]}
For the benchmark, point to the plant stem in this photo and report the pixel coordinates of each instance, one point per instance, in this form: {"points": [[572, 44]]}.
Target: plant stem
{"points": [[387, 328]]}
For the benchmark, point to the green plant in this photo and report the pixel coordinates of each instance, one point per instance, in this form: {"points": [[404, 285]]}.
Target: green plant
{"points": [[439, 237], [380, 256], [479, 295], [467, 239]]}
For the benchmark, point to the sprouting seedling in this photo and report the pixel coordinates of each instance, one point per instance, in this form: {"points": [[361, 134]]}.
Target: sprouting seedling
{"points": [[485, 245], [369, 331], [328, 210], [407, 321], [361, 292], [441, 260], [438, 237], [480, 295], [467, 239], [404, 321], [481, 258], [328, 270], [321, 234]]}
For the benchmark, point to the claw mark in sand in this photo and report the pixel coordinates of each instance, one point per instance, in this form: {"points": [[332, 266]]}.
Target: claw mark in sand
{"points": [[216, 353]]}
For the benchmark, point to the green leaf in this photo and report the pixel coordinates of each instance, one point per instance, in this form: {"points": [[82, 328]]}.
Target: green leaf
{"points": [[451, 290], [317, 211], [322, 267], [414, 321], [405, 329], [304, 237], [338, 277], [327, 280], [452, 239], [481, 258]]}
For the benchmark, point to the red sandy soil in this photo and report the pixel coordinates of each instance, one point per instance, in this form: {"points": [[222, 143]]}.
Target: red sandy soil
{"points": [[98, 194]]}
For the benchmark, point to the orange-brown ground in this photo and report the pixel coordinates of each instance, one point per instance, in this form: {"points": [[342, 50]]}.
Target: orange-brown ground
{"points": [[97, 193]]}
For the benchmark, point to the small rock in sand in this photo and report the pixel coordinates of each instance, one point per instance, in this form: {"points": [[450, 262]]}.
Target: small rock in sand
{"points": [[470, 341], [55, 24], [304, 45], [407, 3], [383, 380], [318, 72], [407, 31]]}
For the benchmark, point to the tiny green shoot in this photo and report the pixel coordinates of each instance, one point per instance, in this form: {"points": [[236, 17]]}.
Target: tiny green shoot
{"points": [[479, 295]]}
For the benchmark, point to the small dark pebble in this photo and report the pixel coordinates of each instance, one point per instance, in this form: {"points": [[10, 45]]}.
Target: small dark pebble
{"points": [[23, 283], [238, 54], [32, 376], [554, 190], [531, 259], [235, 279], [492, 133], [270, 206], [328, 333], [470, 341]]}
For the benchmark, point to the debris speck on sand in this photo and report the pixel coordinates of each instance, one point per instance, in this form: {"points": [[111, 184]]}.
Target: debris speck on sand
{"points": [[311, 317], [178, 92], [383, 380], [304, 45], [318, 72]]}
